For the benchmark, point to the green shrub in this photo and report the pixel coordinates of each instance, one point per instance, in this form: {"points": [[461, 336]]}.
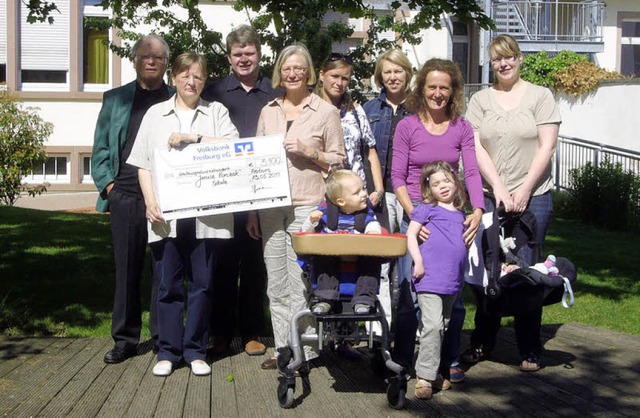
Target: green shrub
{"points": [[606, 195], [563, 207], [539, 68]]}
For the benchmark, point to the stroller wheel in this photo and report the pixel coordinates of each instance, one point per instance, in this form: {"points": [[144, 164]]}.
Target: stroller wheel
{"points": [[396, 393], [285, 394]]}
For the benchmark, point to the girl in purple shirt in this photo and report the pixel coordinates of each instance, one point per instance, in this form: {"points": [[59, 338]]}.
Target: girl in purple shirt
{"points": [[438, 265]]}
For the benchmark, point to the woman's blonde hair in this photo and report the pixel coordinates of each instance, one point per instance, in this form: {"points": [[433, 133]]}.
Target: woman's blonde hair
{"points": [[503, 46], [185, 60], [416, 102], [397, 57], [429, 170], [288, 51], [329, 64]]}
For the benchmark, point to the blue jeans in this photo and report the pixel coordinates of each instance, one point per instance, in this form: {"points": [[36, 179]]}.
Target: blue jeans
{"points": [[408, 317]]}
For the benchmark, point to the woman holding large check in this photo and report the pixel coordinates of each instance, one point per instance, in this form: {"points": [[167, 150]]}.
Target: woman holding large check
{"points": [[185, 244], [314, 143]]}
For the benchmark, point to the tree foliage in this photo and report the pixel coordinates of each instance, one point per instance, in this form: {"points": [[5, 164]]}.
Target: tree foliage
{"points": [[280, 23], [22, 137]]}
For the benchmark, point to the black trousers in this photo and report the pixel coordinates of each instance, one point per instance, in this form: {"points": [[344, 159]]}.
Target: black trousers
{"points": [[129, 233], [524, 303], [239, 284]]}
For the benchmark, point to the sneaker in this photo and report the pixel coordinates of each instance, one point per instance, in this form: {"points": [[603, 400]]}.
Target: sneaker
{"points": [[361, 309], [163, 368], [200, 368], [321, 308], [456, 374]]}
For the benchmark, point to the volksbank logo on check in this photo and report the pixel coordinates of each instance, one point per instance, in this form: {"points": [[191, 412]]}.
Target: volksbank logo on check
{"points": [[243, 149]]}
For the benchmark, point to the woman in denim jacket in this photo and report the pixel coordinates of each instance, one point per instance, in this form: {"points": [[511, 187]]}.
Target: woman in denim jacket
{"points": [[392, 75]]}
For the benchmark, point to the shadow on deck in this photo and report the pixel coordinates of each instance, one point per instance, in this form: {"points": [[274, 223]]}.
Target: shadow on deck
{"points": [[589, 371]]}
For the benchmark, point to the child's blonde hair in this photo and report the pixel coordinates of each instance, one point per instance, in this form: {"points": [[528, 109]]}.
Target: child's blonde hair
{"points": [[334, 183], [441, 166]]}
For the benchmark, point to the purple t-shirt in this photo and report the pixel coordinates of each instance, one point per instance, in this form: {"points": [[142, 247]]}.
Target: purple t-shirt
{"points": [[444, 253], [414, 146]]}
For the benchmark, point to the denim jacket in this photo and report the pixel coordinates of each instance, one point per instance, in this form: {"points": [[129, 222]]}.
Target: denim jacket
{"points": [[380, 115]]}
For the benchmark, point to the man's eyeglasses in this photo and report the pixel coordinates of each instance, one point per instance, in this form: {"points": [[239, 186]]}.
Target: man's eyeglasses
{"points": [[156, 58], [336, 56], [509, 60], [295, 70]]}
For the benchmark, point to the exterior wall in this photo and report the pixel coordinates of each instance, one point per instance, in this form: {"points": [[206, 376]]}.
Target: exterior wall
{"points": [[614, 12], [609, 115]]}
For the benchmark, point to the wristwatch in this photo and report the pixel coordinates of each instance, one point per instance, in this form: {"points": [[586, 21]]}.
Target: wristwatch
{"points": [[380, 194], [199, 139], [315, 154]]}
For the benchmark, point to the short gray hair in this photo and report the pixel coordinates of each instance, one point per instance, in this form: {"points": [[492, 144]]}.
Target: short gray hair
{"points": [[134, 50]]}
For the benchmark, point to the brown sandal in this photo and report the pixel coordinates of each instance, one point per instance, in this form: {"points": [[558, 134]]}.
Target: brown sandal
{"points": [[424, 390]]}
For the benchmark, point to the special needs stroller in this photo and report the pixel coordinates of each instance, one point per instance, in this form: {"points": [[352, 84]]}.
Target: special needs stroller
{"points": [[503, 242], [344, 326]]}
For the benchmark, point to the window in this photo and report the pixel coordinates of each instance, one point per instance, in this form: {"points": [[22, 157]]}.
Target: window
{"points": [[460, 47], [44, 51], [3, 41], [95, 50], [54, 170], [630, 48], [86, 169]]}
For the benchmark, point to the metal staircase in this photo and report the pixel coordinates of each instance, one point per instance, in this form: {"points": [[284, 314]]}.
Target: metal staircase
{"points": [[551, 25]]}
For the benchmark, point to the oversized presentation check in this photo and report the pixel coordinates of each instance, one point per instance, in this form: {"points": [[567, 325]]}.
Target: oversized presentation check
{"points": [[221, 177]]}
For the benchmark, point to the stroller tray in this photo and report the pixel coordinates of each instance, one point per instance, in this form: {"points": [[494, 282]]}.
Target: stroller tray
{"points": [[374, 245]]}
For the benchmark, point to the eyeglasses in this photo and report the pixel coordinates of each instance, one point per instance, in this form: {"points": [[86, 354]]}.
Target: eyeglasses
{"points": [[509, 60], [295, 70], [336, 56], [156, 58]]}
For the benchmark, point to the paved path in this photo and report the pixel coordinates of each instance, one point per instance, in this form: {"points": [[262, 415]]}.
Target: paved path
{"points": [[76, 201], [590, 372]]}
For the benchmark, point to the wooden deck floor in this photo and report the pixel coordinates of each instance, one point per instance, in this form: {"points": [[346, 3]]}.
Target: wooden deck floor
{"points": [[590, 372]]}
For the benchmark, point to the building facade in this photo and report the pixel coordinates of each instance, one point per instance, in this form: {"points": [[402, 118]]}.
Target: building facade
{"points": [[64, 68]]}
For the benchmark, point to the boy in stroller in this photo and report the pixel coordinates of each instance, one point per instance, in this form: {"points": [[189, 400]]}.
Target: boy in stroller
{"points": [[510, 287], [345, 209]]}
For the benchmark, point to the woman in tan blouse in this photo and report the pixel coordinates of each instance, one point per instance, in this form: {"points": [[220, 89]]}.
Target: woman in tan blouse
{"points": [[314, 143], [516, 129]]}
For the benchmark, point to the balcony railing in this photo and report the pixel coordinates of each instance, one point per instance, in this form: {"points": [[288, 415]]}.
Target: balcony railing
{"points": [[550, 20]]}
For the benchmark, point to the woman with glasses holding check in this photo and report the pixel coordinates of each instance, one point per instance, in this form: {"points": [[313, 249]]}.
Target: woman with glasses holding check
{"points": [[314, 143]]}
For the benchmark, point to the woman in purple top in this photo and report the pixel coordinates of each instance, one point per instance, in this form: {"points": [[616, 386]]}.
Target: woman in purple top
{"points": [[436, 131]]}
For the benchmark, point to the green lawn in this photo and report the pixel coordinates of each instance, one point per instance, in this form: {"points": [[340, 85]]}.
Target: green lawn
{"points": [[56, 275]]}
